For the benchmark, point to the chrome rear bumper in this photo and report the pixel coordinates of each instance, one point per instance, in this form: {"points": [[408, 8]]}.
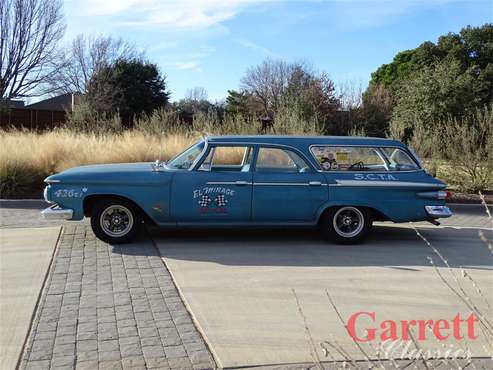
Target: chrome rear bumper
{"points": [[55, 212], [438, 211]]}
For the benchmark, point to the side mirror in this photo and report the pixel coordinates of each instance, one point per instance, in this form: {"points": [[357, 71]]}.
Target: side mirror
{"points": [[158, 166]]}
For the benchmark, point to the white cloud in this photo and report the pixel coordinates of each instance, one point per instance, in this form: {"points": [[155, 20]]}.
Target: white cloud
{"points": [[185, 14], [188, 65], [191, 65], [251, 45]]}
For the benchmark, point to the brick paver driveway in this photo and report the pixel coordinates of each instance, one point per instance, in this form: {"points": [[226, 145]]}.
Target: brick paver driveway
{"points": [[111, 307]]}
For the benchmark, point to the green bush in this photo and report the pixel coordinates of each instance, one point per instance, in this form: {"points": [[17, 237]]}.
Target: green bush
{"points": [[289, 120], [16, 179], [457, 150], [160, 122], [466, 146], [83, 118]]}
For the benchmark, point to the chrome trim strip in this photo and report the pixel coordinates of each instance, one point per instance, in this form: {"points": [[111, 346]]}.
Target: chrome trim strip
{"points": [[383, 183], [52, 181], [287, 184], [281, 184], [200, 156], [440, 194], [220, 143], [55, 212], [263, 183], [227, 183], [45, 195]]}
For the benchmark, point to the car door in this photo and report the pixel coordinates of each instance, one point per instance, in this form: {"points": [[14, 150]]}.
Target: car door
{"points": [[218, 190], [286, 187]]}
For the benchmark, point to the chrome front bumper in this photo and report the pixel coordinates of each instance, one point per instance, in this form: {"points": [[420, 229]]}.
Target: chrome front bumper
{"points": [[438, 211], [55, 212]]}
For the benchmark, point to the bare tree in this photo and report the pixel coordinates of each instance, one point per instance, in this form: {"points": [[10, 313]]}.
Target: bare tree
{"points": [[29, 34], [268, 81], [277, 84], [196, 94], [85, 57], [350, 93]]}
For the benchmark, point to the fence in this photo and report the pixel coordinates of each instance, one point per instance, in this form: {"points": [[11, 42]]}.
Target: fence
{"points": [[32, 119]]}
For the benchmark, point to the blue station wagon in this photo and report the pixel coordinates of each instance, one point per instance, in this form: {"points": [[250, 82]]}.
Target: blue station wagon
{"points": [[341, 184]]}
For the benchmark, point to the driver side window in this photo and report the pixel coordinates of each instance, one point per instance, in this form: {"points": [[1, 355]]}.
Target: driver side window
{"points": [[228, 158]]}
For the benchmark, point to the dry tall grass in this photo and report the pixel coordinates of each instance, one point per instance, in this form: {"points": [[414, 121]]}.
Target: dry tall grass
{"points": [[26, 158]]}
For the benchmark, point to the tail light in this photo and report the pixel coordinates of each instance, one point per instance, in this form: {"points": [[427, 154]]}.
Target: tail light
{"points": [[441, 194], [444, 194]]}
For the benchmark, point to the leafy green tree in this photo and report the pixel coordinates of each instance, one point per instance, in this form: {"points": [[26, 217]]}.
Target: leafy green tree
{"points": [[128, 87], [434, 94], [404, 65], [452, 77], [241, 103], [473, 46]]}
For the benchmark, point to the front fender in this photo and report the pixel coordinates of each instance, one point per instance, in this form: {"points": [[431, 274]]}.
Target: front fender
{"points": [[152, 200]]}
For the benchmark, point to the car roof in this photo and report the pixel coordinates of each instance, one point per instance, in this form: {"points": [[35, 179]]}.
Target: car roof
{"points": [[304, 140]]}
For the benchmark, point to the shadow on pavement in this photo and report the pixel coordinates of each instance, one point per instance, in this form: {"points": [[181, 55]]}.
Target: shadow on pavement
{"points": [[387, 246]]}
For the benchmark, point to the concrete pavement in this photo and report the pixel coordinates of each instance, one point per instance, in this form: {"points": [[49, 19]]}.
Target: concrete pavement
{"points": [[239, 287], [25, 255], [24, 213]]}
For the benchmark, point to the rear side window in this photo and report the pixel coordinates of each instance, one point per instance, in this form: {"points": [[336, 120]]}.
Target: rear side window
{"points": [[280, 160], [399, 160], [349, 158]]}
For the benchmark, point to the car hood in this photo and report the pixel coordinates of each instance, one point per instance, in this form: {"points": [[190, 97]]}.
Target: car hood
{"points": [[109, 173]]}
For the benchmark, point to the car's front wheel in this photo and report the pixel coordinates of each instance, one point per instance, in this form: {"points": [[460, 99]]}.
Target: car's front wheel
{"points": [[346, 225], [115, 221]]}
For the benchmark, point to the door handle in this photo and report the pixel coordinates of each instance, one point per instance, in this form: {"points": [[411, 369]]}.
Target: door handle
{"points": [[241, 183], [315, 183]]}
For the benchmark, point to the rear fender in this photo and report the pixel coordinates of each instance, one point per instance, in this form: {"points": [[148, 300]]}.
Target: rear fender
{"points": [[377, 213]]}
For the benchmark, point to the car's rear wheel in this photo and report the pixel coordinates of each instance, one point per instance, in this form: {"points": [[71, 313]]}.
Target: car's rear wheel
{"points": [[115, 221], [347, 224]]}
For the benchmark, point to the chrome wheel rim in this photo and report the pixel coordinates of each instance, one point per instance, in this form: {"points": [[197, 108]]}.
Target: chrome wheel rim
{"points": [[116, 220], [348, 222]]}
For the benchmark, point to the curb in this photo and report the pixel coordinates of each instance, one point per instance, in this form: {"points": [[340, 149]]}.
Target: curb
{"points": [[24, 203]]}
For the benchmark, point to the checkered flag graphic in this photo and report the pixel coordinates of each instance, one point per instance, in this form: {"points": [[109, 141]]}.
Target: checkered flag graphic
{"points": [[221, 200], [204, 201]]}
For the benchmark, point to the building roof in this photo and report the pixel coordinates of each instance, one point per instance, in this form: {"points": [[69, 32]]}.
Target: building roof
{"points": [[62, 102], [15, 103]]}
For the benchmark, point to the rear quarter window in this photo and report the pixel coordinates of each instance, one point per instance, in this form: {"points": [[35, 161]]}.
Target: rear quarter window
{"points": [[356, 158], [399, 160], [349, 158]]}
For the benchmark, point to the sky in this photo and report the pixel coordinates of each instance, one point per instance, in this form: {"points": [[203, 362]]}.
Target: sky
{"points": [[211, 43]]}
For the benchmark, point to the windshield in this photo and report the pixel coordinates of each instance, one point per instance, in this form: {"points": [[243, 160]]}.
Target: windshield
{"points": [[184, 160]]}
